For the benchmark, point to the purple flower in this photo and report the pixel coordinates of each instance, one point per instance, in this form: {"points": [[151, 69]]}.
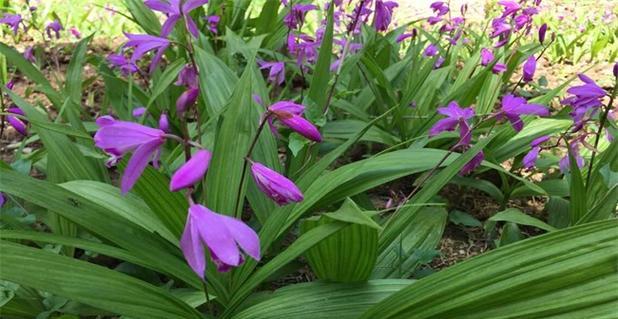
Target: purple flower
{"points": [[486, 56], [54, 26], [142, 43], [439, 61], [296, 17], [500, 27], [542, 31], [187, 77], [221, 234], [565, 162], [431, 50], [213, 23], [498, 68], [2, 199], [164, 124], [304, 50], [472, 164], [191, 172], [440, 8], [15, 122], [276, 71], [404, 36], [125, 66], [119, 137], [616, 69], [434, 20], [29, 54], [176, 10], [513, 107], [75, 33], [138, 111], [455, 117], [186, 99], [529, 68], [280, 189], [585, 100], [510, 7], [530, 159], [11, 20], [383, 14], [289, 114]]}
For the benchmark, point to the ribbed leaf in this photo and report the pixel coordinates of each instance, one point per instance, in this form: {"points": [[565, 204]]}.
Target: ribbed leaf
{"points": [[322, 300], [88, 283], [318, 89], [143, 16], [568, 273], [515, 215]]}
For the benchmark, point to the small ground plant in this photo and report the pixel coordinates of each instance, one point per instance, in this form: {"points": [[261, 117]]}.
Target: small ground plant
{"points": [[291, 159]]}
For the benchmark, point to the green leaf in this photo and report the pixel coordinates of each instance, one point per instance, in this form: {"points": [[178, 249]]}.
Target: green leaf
{"points": [[73, 82], [143, 16], [165, 80], [317, 95], [604, 209], [402, 257], [563, 274], [460, 218], [88, 283], [217, 81], [515, 215], [322, 300], [577, 191]]}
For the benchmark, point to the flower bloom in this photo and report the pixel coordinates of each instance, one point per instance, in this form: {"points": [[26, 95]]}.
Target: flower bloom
{"points": [[431, 50], [439, 61], [296, 17], [54, 26], [176, 10], [304, 50], [510, 7], [565, 162], [280, 189], [498, 68], [11, 20], [486, 56], [138, 111], [191, 172], [142, 43], [119, 137], [29, 54], [530, 159], [440, 8], [213, 23], [383, 14], [18, 124], [585, 100], [276, 71], [187, 77], [456, 117], [75, 33], [529, 68], [118, 61], [222, 235], [404, 36], [513, 107], [289, 114]]}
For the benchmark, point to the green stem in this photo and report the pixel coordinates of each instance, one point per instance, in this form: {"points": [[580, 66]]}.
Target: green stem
{"points": [[600, 132]]}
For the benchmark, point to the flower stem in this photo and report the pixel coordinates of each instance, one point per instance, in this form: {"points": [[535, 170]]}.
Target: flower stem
{"points": [[247, 157], [600, 132]]}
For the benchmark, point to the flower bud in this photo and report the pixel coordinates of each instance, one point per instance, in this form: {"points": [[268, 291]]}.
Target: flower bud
{"points": [[164, 124], [542, 31], [280, 189], [186, 99], [191, 172]]}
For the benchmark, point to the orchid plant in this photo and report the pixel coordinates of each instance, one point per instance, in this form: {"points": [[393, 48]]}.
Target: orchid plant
{"points": [[218, 154]]}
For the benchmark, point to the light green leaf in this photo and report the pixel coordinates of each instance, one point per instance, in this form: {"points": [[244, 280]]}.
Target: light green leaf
{"points": [[515, 215]]}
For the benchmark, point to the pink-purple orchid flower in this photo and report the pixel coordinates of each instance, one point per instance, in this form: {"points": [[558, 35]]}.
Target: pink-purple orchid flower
{"points": [[274, 185], [176, 10]]}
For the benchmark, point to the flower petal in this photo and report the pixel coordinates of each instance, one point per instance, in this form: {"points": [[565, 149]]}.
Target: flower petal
{"points": [[192, 171], [192, 248], [216, 236], [137, 164], [246, 237]]}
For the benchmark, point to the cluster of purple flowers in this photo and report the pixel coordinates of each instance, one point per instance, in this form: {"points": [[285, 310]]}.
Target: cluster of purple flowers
{"points": [[516, 16]]}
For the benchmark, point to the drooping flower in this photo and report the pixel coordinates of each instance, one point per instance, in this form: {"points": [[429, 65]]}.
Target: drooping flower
{"points": [[120, 137], [274, 185], [187, 77], [530, 159], [431, 50], [303, 47], [12, 21], [440, 8], [514, 107], [472, 164], [222, 235], [529, 69], [404, 36], [296, 16], [383, 14], [510, 7], [498, 68], [186, 99], [18, 124], [290, 114], [54, 26], [176, 10], [486, 56], [542, 31], [500, 27], [192, 171], [455, 117], [276, 71], [118, 61], [142, 43]]}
